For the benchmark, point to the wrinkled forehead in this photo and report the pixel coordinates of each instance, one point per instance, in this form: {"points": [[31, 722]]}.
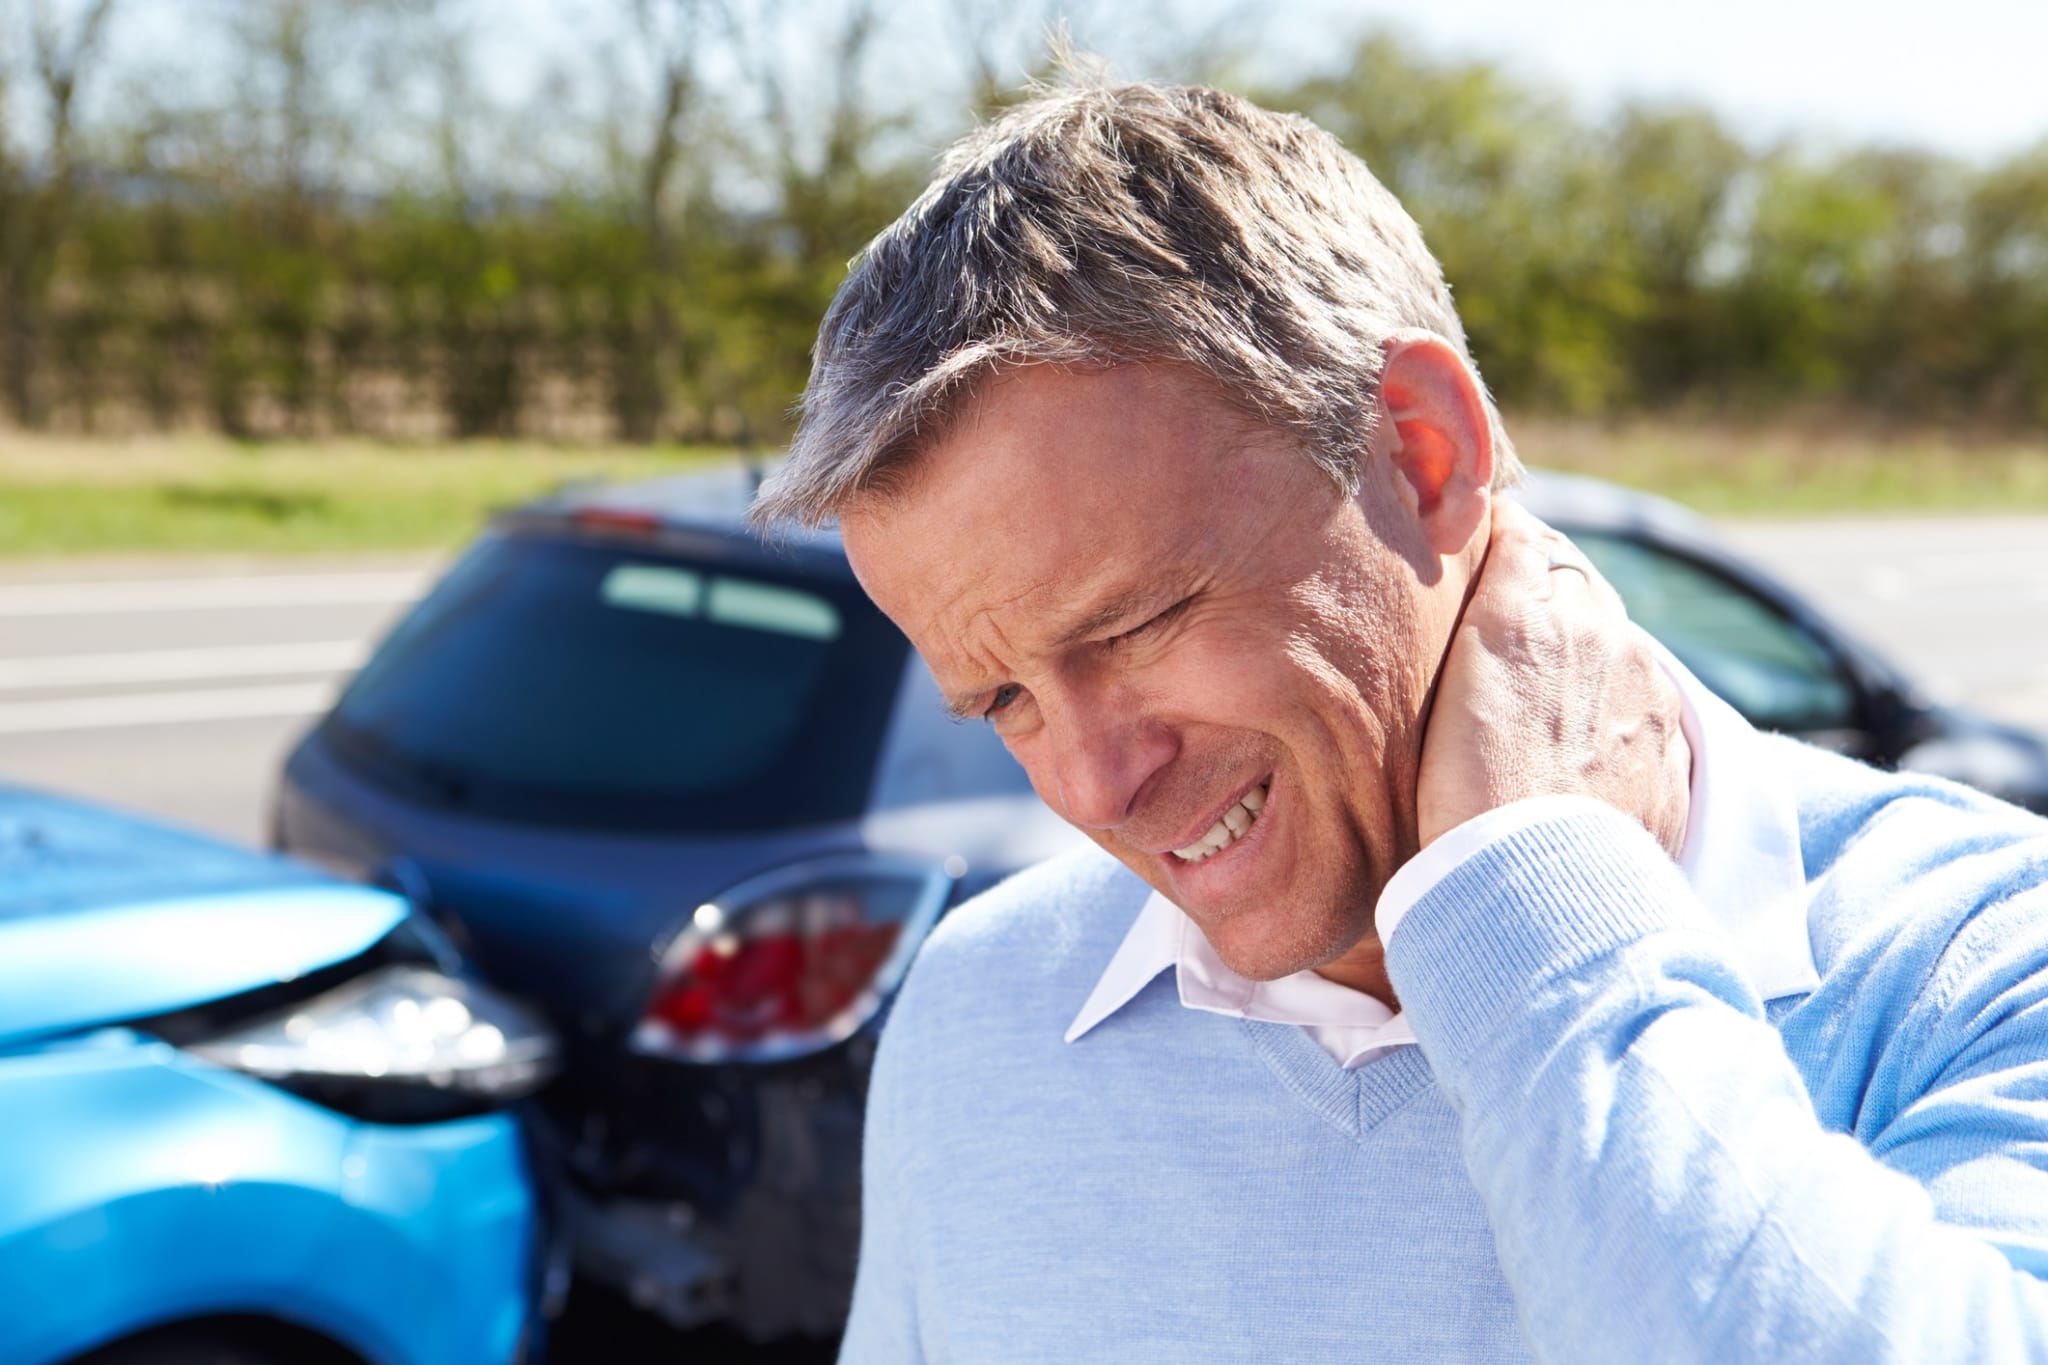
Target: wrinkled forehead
{"points": [[1054, 419], [1058, 489], [1048, 452], [986, 551]]}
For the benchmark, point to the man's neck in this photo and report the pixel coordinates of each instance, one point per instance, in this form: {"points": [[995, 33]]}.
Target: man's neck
{"points": [[1363, 968]]}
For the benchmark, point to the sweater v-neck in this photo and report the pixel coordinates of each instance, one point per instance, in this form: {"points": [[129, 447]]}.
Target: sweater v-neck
{"points": [[1356, 1101]]}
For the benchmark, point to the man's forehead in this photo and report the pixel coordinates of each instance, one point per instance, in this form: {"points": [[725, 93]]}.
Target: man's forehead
{"points": [[1057, 500], [979, 651], [1056, 602]]}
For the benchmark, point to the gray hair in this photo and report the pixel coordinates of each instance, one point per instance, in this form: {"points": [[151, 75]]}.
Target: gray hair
{"points": [[1104, 225]]}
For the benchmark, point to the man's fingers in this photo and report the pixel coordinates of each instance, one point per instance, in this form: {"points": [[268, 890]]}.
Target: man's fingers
{"points": [[1548, 688], [1519, 554], [1527, 559]]}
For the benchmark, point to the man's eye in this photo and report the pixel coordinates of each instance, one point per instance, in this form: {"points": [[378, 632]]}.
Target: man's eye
{"points": [[1141, 631], [1005, 694]]}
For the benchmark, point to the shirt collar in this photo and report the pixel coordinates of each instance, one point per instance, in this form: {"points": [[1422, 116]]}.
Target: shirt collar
{"points": [[1741, 849], [1741, 857]]}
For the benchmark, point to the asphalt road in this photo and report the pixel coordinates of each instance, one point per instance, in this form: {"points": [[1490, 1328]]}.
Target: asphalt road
{"points": [[1961, 603], [176, 688]]}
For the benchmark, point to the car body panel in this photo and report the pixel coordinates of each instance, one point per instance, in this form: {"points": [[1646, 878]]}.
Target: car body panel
{"points": [[65, 974], [568, 916], [148, 1187], [60, 856], [167, 1189], [88, 936], [1992, 756]]}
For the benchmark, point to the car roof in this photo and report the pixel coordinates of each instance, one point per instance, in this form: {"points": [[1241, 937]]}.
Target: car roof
{"points": [[1577, 500], [713, 499], [716, 499]]}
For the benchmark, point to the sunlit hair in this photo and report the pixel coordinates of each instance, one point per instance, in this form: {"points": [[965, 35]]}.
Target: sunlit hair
{"points": [[1096, 225]]}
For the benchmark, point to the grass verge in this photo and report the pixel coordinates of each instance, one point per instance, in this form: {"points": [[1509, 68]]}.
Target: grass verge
{"points": [[62, 496], [178, 494], [1798, 469]]}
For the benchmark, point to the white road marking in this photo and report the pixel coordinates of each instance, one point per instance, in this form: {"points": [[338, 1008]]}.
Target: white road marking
{"points": [[164, 708], [211, 594], [181, 665]]}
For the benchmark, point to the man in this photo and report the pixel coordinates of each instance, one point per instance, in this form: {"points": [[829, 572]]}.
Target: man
{"points": [[1453, 978]]}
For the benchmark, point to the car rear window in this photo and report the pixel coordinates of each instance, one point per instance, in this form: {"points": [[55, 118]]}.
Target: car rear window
{"points": [[595, 684]]}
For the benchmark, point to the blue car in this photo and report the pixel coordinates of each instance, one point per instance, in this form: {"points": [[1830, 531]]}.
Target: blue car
{"points": [[249, 1113]]}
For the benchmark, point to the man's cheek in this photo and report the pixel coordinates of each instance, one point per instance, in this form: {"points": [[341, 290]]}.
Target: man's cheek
{"points": [[1035, 757]]}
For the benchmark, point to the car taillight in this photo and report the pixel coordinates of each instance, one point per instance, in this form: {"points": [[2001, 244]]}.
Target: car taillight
{"points": [[626, 519], [792, 961]]}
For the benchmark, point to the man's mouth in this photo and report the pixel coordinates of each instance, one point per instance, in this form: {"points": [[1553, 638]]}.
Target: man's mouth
{"points": [[1229, 827]]}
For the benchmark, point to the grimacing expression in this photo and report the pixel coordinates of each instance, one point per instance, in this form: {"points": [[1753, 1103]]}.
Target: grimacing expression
{"points": [[1205, 656]]}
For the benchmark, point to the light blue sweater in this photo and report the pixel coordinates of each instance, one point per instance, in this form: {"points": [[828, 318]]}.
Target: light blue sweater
{"points": [[1602, 1149]]}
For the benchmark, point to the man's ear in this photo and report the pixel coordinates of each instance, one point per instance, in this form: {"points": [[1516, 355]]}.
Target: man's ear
{"points": [[1442, 446]]}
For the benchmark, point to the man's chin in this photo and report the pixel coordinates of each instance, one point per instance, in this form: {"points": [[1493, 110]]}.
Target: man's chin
{"points": [[1253, 941], [1259, 950]]}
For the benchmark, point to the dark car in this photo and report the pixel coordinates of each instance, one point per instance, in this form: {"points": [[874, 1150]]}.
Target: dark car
{"points": [[1770, 653], [696, 797]]}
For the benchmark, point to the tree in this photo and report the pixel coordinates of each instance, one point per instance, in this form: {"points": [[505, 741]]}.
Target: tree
{"points": [[38, 195]]}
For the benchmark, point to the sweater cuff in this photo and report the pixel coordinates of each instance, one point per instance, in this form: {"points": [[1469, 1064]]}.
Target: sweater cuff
{"points": [[1415, 878], [1554, 892]]}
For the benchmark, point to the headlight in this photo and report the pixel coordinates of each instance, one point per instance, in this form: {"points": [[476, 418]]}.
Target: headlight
{"points": [[397, 1042]]}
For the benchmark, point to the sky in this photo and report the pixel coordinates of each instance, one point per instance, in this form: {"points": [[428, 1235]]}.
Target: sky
{"points": [[1963, 76], [1959, 76]]}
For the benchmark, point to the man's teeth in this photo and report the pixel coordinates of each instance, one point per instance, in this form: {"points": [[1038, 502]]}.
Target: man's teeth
{"points": [[1226, 830]]}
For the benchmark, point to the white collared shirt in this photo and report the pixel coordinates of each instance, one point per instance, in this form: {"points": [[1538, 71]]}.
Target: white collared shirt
{"points": [[1741, 857]]}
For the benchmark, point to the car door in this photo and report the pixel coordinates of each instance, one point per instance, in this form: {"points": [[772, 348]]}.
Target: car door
{"points": [[1775, 669]]}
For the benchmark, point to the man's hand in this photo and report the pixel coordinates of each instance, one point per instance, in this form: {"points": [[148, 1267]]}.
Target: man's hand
{"points": [[1549, 690]]}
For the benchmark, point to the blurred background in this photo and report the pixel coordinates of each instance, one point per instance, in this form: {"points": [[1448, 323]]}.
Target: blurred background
{"points": [[337, 277], [585, 223], [295, 293]]}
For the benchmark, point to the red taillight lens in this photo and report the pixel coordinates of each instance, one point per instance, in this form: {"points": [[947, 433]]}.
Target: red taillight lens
{"points": [[624, 519], [741, 990], [800, 963]]}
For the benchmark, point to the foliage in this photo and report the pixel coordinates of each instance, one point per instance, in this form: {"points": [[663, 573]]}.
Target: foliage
{"points": [[1650, 260], [196, 492], [643, 254]]}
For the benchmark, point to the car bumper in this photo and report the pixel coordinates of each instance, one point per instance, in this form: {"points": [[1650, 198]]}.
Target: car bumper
{"points": [[148, 1187], [653, 1253], [719, 1192]]}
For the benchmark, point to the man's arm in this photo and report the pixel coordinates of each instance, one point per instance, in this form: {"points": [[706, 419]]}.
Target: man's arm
{"points": [[1658, 1182], [882, 1328], [1652, 1163]]}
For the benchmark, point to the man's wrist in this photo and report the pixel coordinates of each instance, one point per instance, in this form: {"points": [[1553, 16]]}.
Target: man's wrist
{"points": [[1577, 884], [1420, 874]]}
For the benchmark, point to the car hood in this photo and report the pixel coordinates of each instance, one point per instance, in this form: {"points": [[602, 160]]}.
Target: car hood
{"points": [[105, 917]]}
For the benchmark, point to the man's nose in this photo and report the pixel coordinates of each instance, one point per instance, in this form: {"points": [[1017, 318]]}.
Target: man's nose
{"points": [[1102, 754]]}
